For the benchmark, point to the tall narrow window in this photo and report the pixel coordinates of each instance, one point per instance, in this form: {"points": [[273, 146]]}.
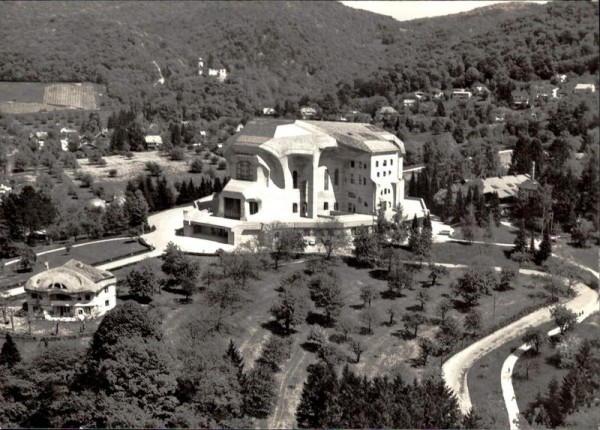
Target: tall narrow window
{"points": [[295, 179], [336, 177], [253, 206], [326, 180], [326, 206], [295, 208]]}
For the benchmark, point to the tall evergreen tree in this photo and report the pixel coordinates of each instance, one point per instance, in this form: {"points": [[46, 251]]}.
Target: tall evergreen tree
{"points": [[545, 250], [9, 355], [521, 239], [318, 397]]}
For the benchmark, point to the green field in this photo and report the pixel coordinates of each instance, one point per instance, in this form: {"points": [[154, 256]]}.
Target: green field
{"points": [[25, 92]]}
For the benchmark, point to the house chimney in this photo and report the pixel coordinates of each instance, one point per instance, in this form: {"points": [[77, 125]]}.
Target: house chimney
{"points": [[533, 172]]}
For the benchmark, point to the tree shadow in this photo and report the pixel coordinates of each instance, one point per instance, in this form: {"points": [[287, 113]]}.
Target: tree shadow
{"points": [[337, 338], [357, 307], [354, 263], [274, 327], [460, 306], [309, 346], [554, 360], [318, 319], [414, 308], [390, 295], [379, 274], [403, 334]]}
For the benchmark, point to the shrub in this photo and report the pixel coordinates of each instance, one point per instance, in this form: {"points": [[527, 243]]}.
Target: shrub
{"points": [[197, 166], [276, 351], [153, 168], [112, 173], [214, 159], [222, 165], [177, 154], [86, 180]]}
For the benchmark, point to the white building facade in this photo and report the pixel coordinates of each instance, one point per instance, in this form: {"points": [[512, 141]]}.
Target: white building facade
{"points": [[303, 173], [72, 291]]}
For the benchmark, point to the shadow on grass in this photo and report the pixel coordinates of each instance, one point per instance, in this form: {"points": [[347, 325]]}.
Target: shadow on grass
{"points": [[460, 306], [390, 295], [357, 307], [379, 274], [310, 346], [319, 319], [338, 338], [354, 263], [403, 334], [140, 300], [275, 328], [414, 308]]}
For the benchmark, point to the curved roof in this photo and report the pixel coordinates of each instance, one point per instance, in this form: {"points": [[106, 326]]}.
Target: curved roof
{"points": [[282, 137], [73, 276]]}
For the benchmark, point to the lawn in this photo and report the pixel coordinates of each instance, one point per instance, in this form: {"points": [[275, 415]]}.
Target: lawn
{"points": [[388, 350], [484, 377], [90, 254], [26, 92], [543, 368], [30, 349], [130, 168]]}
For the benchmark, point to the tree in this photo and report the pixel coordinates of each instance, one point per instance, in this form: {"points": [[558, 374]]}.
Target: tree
{"points": [[367, 295], [326, 293], [367, 247], [197, 166], [468, 224], [423, 298], [521, 239], [472, 420], [9, 355], [282, 242], [507, 275], [258, 391], [136, 209], [473, 283], [368, 316], [125, 321], [534, 338], [292, 307], [564, 318], [449, 333], [333, 237], [318, 396], [425, 241], [581, 233], [28, 258], [391, 311], [443, 308], [472, 323], [346, 325], [435, 272], [142, 282], [400, 276], [412, 321], [545, 250], [357, 347]]}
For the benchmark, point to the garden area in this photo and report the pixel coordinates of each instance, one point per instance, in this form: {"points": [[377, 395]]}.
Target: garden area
{"points": [[92, 254]]}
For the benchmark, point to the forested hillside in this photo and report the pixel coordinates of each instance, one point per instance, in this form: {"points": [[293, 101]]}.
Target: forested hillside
{"points": [[282, 51]]}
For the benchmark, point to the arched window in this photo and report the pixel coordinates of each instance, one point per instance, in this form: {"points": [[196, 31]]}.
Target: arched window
{"points": [[326, 180], [295, 179], [244, 171], [336, 177], [253, 206]]}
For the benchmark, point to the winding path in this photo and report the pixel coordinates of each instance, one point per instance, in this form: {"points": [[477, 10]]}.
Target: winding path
{"points": [[456, 368], [583, 309]]}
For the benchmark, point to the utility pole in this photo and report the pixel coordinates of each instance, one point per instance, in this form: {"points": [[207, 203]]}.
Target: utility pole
{"points": [[494, 311]]}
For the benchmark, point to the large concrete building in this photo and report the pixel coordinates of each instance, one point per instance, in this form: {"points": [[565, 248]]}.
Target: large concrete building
{"points": [[73, 290], [304, 173]]}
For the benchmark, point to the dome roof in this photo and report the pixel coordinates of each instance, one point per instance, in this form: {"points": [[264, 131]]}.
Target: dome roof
{"points": [[73, 276], [95, 202]]}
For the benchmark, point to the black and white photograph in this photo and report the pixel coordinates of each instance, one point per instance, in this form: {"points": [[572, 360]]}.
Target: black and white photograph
{"points": [[299, 214]]}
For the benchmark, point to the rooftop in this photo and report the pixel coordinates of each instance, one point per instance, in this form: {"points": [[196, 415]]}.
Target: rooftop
{"points": [[73, 276]]}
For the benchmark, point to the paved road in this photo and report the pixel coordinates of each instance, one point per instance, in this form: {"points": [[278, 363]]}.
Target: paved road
{"points": [[586, 305], [455, 369]]}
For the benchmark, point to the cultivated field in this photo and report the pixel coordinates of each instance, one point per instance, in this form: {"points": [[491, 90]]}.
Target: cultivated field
{"points": [[31, 97]]}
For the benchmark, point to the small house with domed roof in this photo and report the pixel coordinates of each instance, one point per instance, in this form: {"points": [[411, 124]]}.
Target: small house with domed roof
{"points": [[71, 291]]}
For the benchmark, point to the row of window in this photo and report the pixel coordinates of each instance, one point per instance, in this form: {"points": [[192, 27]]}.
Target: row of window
{"points": [[386, 191], [362, 180], [358, 164], [389, 172], [385, 162]]}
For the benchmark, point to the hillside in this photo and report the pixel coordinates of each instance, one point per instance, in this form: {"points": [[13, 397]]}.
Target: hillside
{"points": [[278, 52]]}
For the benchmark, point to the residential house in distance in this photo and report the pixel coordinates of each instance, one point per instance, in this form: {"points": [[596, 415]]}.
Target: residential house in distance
{"points": [[4, 190], [584, 88], [560, 78], [505, 157], [307, 112], [437, 94], [409, 102], [39, 137], [387, 110], [303, 174], [481, 91], [268, 111], [461, 94], [220, 74], [153, 142], [520, 99], [419, 95], [239, 128], [72, 291]]}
